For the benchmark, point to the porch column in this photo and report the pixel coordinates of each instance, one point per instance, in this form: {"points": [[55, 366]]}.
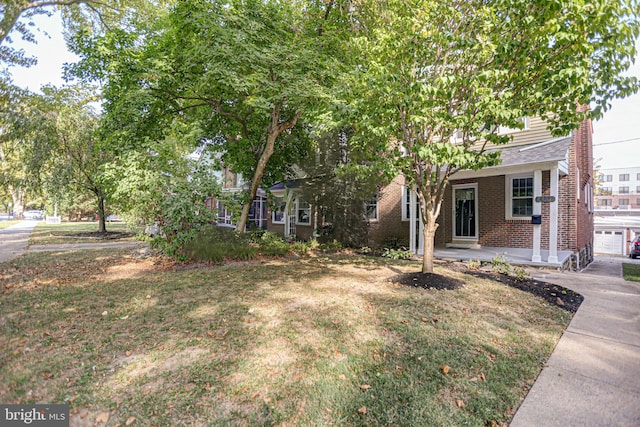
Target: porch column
{"points": [[537, 210], [553, 217], [413, 244], [287, 214]]}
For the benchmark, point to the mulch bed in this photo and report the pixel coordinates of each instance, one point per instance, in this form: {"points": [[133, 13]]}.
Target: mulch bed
{"points": [[564, 298]]}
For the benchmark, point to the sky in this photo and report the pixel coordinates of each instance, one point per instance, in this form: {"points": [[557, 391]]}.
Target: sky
{"points": [[616, 136]]}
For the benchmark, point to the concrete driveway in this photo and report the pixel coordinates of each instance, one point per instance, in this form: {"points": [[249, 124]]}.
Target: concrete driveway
{"points": [[14, 239], [593, 375]]}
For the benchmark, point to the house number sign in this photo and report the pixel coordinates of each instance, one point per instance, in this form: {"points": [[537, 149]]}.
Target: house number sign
{"points": [[545, 199]]}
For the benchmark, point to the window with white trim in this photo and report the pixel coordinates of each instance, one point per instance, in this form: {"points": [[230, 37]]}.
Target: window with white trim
{"points": [[623, 202], [519, 197], [623, 190], [303, 212], [277, 214], [371, 208], [623, 177], [224, 215], [503, 130], [406, 203]]}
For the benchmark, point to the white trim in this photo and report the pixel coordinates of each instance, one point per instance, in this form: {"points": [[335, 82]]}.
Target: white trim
{"points": [[298, 209], [284, 212], [405, 201], [474, 186], [553, 218], [508, 193], [537, 210]]}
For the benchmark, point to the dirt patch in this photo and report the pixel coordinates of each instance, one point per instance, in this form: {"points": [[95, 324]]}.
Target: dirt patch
{"points": [[564, 298]]}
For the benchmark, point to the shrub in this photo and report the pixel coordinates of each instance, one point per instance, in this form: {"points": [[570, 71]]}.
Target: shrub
{"points": [[474, 264], [216, 244], [520, 274], [500, 264], [330, 247], [397, 253]]}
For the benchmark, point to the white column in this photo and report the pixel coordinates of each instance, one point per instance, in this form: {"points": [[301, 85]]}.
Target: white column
{"points": [[537, 210], [553, 218], [412, 222]]}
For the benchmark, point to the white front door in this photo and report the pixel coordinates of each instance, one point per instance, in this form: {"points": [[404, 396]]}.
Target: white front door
{"points": [[465, 208]]}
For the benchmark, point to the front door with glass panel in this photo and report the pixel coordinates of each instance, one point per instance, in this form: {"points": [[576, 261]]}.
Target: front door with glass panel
{"points": [[465, 206]]}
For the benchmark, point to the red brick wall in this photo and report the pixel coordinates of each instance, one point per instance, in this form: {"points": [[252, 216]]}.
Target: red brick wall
{"points": [[389, 226]]}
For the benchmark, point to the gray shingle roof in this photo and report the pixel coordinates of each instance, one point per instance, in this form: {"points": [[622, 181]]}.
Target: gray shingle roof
{"points": [[540, 152]]}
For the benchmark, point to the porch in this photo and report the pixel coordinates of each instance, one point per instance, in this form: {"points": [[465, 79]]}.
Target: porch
{"points": [[515, 256]]}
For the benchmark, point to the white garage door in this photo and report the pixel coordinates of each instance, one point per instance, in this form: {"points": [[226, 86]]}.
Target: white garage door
{"points": [[608, 242]]}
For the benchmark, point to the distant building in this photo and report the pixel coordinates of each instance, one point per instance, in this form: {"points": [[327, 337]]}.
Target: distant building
{"points": [[617, 204], [618, 188]]}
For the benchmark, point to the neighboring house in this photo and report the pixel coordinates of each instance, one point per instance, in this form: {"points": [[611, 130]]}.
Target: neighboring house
{"points": [[617, 210], [540, 198], [232, 184]]}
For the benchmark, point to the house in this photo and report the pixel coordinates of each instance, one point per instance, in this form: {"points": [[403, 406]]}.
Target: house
{"points": [[538, 200]]}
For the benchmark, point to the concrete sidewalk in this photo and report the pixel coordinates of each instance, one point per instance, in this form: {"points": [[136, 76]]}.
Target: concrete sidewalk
{"points": [[593, 375], [14, 239]]}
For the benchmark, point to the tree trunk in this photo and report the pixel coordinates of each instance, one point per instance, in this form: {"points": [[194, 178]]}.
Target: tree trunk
{"points": [[102, 226], [275, 129], [256, 180], [429, 236]]}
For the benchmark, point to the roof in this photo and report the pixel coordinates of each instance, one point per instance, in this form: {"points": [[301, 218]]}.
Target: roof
{"points": [[541, 152]]}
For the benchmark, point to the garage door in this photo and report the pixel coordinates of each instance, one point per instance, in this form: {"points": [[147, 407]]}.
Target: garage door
{"points": [[608, 242]]}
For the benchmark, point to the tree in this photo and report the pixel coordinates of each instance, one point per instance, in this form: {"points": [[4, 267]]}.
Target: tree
{"points": [[75, 166], [249, 70], [433, 80], [338, 183], [25, 131]]}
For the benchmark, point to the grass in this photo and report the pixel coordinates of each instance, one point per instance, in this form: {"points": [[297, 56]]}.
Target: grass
{"points": [[320, 340], [8, 223], [631, 272], [78, 232]]}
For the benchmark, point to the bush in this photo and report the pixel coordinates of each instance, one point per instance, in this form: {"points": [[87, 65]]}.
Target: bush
{"points": [[330, 247], [397, 253], [216, 244], [500, 264]]}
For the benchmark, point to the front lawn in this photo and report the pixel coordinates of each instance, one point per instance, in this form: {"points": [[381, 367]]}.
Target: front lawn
{"points": [[631, 271], [300, 341], [79, 232]]}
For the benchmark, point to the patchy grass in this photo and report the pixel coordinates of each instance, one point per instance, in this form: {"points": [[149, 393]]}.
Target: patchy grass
{"points": [[306, 341], [8, 223], [631, 272], [79, 232]]}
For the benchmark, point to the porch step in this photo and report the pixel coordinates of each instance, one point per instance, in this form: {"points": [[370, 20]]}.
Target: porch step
{"points": [[463, 244]]}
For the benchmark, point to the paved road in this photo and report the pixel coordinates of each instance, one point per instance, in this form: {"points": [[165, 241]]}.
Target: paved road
{"points": [[14, 239], [592, 379]]}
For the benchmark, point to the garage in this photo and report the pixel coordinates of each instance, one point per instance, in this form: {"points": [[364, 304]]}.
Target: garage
{"points": [[609, 242]]}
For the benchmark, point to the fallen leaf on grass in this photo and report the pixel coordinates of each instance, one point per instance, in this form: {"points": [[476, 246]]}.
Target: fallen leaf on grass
{"points": [[362, 410], [130, 421], [445, 369], [460, 403], [365, 387], [102, 418]]}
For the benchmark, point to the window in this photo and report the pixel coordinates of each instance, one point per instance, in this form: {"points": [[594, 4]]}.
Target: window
{"points": [[224, 215], [502, 130], [606, 191], [604, 202], [638, 177], [607, 178], [521, 197], [623, 190], [638, 201], [277, 215], [638, 189], [406, 203], [303, 212], [623, 177], [371, 208], [623, 202]]}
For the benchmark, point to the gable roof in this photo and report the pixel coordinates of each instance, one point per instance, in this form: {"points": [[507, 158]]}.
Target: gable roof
{"points": [[541, 152]]}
